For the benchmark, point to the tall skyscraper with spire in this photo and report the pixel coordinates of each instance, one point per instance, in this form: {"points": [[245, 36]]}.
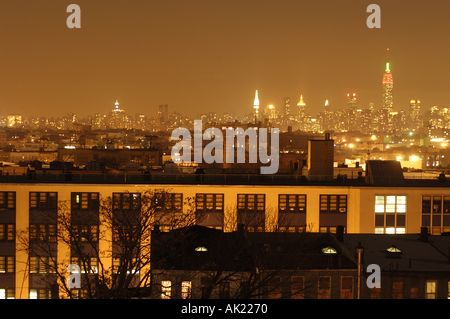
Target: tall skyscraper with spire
{"points": [[388, 85], [256, 108], [301, 106], [301, 109]]}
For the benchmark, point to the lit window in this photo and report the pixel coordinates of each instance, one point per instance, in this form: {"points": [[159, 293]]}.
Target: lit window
{"points": [[390, 214], [431, 289], [201, 248], [394, 249], [166, 289], [186, 287], [329, 250]]}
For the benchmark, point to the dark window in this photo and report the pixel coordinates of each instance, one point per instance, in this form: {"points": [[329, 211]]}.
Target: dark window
{"points": [[7, 232], [7, 264], [333, 203], [169, 201], [292, 203], [42, 232], [85, 201], [209, 202], [43, 201], [87, 233], [436, 213], [127, 201], [7, 200], [251, 211], [251, 202]]}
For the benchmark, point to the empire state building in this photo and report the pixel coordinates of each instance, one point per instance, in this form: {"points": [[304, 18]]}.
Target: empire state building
{"points": [[388, 84]]}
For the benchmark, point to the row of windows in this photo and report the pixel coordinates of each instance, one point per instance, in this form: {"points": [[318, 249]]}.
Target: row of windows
{"points": [[210, 202], [398, 291], [297, 286], [42, 265], [436, 213], [323, 289], [297, 290], [390, 210]]}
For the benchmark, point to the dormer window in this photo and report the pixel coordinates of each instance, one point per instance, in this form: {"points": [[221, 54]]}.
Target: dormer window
{"points": [[393, 252], [394, 249], [329, 250]]}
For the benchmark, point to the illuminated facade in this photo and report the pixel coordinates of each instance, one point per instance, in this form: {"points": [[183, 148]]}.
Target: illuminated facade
{"points": [[414, 112], [14, 120], [291, 205], [296, 207], [287, 106]]}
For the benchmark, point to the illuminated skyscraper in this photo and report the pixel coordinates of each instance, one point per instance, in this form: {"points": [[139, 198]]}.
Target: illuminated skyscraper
{"points": [[117, 117], [351, 111], [301, 108], [414, 110], [287, 107], [256, 107], [351, 101], [388, 84], [301, 113]]}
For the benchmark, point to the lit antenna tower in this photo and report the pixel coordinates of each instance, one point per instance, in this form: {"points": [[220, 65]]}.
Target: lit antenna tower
{"points": [[388, 85], [256, 107]]}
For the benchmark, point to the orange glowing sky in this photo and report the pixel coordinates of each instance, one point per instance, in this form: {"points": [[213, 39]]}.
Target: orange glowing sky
{"points": [[211, 55]]}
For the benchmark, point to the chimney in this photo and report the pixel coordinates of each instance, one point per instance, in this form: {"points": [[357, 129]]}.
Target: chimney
{"points": [[424, 234], [340, 233]]}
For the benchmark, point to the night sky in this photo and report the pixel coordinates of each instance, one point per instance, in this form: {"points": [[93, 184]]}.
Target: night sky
{"points": [[211, 55]]}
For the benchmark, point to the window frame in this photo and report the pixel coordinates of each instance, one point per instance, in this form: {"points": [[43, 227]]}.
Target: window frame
{"points": [[204, 202], [120, 202], [8, 202], [324, 291], [340, 208], [7, 264], [390, 216], [92, 201], [297, 207], [43, 201], [438, 221], [7, 232], [258, 206], [169, 202]]}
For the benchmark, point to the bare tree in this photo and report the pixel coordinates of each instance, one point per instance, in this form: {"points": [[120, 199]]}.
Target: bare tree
{"points": [[109, 239]]}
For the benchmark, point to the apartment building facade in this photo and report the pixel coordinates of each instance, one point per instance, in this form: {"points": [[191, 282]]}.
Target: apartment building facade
{"points": [[363, 209]]}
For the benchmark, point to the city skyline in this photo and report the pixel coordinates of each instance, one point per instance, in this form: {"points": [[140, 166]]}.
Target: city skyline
{"points": [[212, 56]]}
